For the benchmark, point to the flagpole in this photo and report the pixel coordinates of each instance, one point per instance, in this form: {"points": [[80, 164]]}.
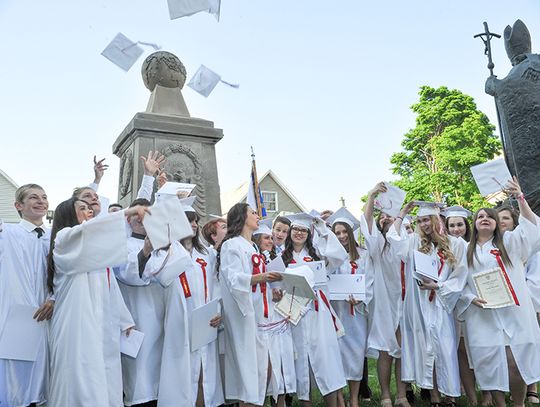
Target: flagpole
{"points": [[256, 183]]}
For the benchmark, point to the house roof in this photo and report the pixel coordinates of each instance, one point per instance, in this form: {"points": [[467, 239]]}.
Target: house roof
{"points": [[228, 199], [7, 194]]}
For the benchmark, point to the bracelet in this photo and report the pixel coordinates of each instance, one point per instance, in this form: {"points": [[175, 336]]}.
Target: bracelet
{"points": [[521, 197]]}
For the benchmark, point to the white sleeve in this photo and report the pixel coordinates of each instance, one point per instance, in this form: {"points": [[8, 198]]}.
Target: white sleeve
{"points": [[166, 265], [147, 187], [129, 273], [96, 244], [523, 239], [450, 290], [236, 280], [330, 248]]}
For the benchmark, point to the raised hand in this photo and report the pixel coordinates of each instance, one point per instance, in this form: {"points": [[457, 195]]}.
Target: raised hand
{"points": [[99, 169], [153, 162], [162, 178]]}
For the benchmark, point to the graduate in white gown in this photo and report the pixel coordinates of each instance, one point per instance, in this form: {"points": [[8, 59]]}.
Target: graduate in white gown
{"points": [[23, 275], [144, 300], [504, 343], [280, 343], [389, 293], [205, 371], [246, 347], [352, 312], [315, 337], [429, 340], [90, 314]]}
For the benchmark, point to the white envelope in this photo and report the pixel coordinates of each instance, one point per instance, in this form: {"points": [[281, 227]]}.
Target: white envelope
{"points": [[22, 335], [425, 266], [130, 345], [299, 281], [122, 52], [342, 286], [391, 201], [491, 177], [201, 331], [318, 268], [166, 223]]}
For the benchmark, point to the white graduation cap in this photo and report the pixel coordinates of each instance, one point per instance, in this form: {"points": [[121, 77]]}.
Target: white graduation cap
{"points": [[123, 52], [185, 8], [345, 216], [174, 189], [314, 212], [428, 208], [407, 220], [166, 223], [187, 203], [491, 177], [205, 80], [303, 220], [263, 230], [391, 201], [456, 210]]}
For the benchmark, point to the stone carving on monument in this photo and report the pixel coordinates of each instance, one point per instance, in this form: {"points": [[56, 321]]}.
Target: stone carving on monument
{"points": [[167, 126], [517, 97]]}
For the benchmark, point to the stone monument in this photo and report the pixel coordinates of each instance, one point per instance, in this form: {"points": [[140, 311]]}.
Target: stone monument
{"points": [[166, 126], [517, 97]]}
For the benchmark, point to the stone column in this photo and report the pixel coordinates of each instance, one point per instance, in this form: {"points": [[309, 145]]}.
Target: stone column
{"points": [[166, 126]]}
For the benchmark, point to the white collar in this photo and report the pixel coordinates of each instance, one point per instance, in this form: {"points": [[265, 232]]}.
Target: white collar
{"points": [[30, 227]]}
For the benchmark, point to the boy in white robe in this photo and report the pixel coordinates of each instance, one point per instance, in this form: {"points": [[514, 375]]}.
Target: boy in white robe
{"points": [[23, 251]]}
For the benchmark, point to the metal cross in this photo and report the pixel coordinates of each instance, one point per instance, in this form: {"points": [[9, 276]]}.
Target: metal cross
{"points": [[486, 37]]}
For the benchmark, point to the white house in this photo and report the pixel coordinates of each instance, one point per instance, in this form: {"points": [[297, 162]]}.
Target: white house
{"points": [[8, 187]]}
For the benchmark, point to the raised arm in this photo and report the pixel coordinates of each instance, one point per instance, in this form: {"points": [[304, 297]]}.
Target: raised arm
{"points": [[153, 164], [368, 207], [513, 189]]}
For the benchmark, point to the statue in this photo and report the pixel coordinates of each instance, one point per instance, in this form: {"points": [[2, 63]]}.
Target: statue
{"points": [[517, 98]]}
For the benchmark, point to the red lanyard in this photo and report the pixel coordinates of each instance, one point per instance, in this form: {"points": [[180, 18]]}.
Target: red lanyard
{"points": [[325, 300], [203, 265], [259, 267], [185, 284], [497, 254], [109, 277], [441, 258], [354, 267]]}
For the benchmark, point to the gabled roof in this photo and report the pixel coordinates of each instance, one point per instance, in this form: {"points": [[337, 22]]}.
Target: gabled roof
{"points": [[8, 179], [228, 199], [7, 194]]}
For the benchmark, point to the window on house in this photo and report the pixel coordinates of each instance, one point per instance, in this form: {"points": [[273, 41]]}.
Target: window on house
{"points": [[270, 201]]}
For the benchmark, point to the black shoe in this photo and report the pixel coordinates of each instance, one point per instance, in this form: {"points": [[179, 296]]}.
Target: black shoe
{"points": [[411, 398], [425, 394]]}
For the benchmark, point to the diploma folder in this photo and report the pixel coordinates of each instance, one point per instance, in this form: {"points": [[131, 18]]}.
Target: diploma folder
{"points": [[201, 331], [166, 223], [425, 266], [342, 286], [318, 268], [21, 335]]}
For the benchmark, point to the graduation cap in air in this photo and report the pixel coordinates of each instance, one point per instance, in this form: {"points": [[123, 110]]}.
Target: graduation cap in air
{"points": [[205, 80], [185, 8], [457, 211], [187, 203], [345, 216], [123, 52]]}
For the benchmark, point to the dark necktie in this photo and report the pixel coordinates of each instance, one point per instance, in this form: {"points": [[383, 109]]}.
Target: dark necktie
{"points": [[39, 232]]}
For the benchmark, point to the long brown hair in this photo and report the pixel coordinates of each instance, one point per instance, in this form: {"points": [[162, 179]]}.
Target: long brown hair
{"points": [[351, 242], [441, 241], [287, 254], [497, 238], [236, 219]]}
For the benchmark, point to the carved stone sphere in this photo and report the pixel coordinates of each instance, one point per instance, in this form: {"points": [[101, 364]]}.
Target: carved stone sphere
{"points": [[164, 69]]}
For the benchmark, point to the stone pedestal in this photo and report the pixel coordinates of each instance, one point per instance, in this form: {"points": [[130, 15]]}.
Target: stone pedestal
{"points": [[187, 142]]}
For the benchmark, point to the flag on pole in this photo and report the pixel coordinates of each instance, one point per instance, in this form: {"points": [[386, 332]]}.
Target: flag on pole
{"points": [[254, 196]]}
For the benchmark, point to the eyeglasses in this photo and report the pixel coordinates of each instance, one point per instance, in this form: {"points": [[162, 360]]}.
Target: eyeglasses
{"points": [[298, 230]]}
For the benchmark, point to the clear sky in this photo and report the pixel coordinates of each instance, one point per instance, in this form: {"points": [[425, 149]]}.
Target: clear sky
{"points": [[325, 86]]}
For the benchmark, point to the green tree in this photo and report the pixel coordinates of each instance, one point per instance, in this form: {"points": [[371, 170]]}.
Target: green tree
{"points": [[450, 136]]}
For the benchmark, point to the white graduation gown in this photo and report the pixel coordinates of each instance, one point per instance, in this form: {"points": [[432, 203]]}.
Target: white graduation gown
{"points": [[386, 307], [204, 361], [315, 337], [23, 280], [144, 300], [428, 332], [89, 315], [532, 274], [490, 330], [246, 350], [353, 344]]}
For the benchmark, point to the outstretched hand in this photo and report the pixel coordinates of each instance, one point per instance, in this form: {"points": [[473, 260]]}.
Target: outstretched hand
{"points": [[512, 188], [162, 178], [138, 210], [99, 169], [153, 162], [377, 189]]}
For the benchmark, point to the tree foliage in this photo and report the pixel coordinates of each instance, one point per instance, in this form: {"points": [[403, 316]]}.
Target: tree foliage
{"points": [[450, 136]]}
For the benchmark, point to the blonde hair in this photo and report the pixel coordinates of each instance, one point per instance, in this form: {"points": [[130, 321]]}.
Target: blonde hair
{"points": [[22, 192], [440, 240]]}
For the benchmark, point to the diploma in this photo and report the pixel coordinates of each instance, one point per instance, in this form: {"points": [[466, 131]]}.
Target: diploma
{"points": [[425, 266], [201, 331], [343, 286], [318, 268], [492, 287], [22, 335], [292, 307], [130, 345]]}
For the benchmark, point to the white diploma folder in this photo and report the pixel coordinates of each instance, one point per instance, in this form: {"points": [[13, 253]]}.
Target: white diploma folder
{"points": [[166, 223], [342, 286], [130, 345], [201, 331], [276, 265], [491, 177], [391, 201], [22, 335], [425, 266], [318, 268], [173, 188]]}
